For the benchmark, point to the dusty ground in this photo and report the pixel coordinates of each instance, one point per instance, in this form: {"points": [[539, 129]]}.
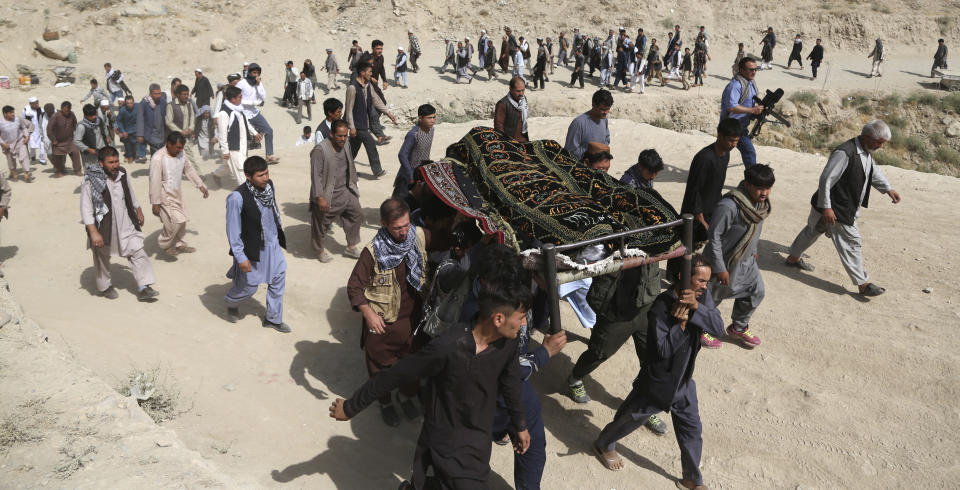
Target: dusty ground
{"points": [[841, 393]]}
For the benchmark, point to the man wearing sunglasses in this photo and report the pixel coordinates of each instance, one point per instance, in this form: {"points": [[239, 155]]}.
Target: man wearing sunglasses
{"points": [[737, 103]]}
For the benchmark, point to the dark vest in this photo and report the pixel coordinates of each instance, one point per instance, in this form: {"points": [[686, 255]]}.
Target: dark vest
{"points": [[107, 231], [512, 120], [360, 103], [90, 138], [233, 132], [845, 193], [251, 230]]}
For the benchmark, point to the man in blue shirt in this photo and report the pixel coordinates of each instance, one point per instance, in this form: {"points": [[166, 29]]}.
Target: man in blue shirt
{"points": [[737, 104]]}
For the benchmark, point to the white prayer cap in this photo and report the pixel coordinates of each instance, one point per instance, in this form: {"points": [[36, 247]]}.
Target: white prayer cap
{"points": [[198, 70], [483, 31], [329, 50], [104, 102], [400, 48], [467, 38], [246, 63], [32, 100]]}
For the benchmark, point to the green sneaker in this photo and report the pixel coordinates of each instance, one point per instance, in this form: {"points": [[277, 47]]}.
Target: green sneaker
{"points": [[656, 425]]}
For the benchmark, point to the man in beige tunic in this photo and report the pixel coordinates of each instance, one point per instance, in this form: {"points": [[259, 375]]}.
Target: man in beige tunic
{"points": [[14, 134], [168, 167], [182, 117], [112, 216], [334, 195]]}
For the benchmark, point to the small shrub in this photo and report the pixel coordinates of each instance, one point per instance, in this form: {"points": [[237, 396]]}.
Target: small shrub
{"points": [[483, 12], [898, 140], [885, 158], [951, 102], [915, 144], [667, 23], [865, 109], [804, 97], [937, 139], [153, 393], [948, 156], [891, 101], [923, 98], [663, 123], [855, 100], [883, 9], [944, 23], [897, 122]]}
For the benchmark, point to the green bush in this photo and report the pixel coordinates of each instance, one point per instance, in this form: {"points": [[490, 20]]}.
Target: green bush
{"points": [[938, 139], [891, 101], [663, 123], [915, 144], [897, 122], [865, 109], [898, 140], [804, 97], [855, 100], [885, 158], [948, 155], [951, 102], [667, 23], [923, 98]]}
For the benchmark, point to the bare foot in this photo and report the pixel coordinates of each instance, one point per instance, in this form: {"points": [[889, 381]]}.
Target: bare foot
{"points": [[610, 459]]}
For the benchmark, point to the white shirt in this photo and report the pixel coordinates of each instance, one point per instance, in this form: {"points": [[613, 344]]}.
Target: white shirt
{"points": [[303, 141], [252, 97]]}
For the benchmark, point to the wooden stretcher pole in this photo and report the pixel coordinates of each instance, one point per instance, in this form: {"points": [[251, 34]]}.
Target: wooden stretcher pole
{"points": [[549, 254], [688, 253]]}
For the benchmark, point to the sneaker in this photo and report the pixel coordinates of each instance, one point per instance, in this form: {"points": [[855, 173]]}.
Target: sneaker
{"points": [[147, 294], [353, 252], [656, 425], [325, 257], [709, 341], [503, 441], [280, 327], [389, 415], [233, 315], [579, 392], [745, 336], [110, 293], [379, 174]]}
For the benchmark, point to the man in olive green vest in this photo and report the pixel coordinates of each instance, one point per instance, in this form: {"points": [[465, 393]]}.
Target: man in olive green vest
{"points": [[387, 286]]}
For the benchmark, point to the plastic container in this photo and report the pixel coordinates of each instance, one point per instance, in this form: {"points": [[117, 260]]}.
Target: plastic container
{"points": [[25, 80], [4, 82]]}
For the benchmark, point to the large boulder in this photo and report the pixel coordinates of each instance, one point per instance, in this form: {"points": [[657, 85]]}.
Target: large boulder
{"points": [[59, 49], [953, 130]]}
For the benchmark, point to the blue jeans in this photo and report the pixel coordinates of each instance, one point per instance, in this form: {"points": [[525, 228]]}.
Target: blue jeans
{"points": [[263, 127], [747, 152], [115, 95]]}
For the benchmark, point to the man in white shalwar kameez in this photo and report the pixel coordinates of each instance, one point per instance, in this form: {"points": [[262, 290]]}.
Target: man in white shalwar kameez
{"points": [[34, 113], [168, 167], [232, 130]]}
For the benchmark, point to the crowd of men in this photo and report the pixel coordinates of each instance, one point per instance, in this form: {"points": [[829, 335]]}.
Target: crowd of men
{"points": [[437, 299]]}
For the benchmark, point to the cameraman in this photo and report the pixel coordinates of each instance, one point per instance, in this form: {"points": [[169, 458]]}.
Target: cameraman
{"points": [[738, 103]]}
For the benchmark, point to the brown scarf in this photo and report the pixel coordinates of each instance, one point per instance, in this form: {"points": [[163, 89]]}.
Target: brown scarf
{"points": [[753, 214]]}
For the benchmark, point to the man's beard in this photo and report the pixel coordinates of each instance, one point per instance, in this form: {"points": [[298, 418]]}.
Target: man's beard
{"points": [[111, 173]]}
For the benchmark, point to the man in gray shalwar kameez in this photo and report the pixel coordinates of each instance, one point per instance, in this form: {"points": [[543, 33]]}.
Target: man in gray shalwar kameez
{"points": [[835, 208], [731, 250]]}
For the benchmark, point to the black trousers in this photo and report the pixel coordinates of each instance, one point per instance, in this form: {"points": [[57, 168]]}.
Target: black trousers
{"points": [[577, 75], [607, 337], [290, 93]]}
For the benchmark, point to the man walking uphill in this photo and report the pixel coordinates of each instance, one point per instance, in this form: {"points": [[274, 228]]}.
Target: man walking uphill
{"points": [[844, 188], [256, 243]]}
